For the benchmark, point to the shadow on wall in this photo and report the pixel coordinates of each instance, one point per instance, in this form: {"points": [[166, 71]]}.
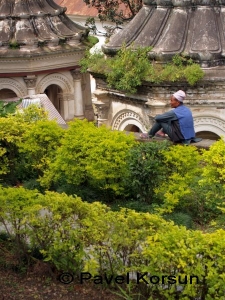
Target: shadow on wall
{"points": [[132, 128], [7, 94], [208, 135]]}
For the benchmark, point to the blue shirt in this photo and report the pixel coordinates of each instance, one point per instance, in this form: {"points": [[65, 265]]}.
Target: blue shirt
{"points": [[185, 118]]}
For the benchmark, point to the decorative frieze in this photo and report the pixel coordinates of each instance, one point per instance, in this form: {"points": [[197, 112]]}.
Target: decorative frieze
{"points": [[210, 121], [55, 78], [126, 115], [14, 85]]}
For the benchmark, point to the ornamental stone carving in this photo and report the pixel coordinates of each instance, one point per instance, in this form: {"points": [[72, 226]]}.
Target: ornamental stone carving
{"points": [[14, 85], [58, 79], [126, 115], [210, 120], [211, 124], [30, 81], [76, 74]]}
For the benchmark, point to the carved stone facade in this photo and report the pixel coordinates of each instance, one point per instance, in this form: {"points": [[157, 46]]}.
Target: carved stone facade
{"points": [[122, 112]]}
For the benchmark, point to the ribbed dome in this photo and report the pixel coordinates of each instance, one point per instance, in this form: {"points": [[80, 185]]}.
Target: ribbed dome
{"points": [[34, 25], [194, 28]]}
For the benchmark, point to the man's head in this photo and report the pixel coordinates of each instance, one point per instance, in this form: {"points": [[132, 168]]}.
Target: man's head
{"points": [[177, 99]]}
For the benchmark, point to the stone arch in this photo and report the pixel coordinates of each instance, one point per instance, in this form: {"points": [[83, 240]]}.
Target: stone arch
{"points": [[127, 117], [59, 79], [14, 85], [211, 124]]}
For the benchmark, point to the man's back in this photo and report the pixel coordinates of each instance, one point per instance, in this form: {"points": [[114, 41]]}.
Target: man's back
{"points": [[185, 118]]}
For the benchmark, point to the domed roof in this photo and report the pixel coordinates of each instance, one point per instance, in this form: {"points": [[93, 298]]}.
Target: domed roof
{"points": [[195, 28], [36, 26]]}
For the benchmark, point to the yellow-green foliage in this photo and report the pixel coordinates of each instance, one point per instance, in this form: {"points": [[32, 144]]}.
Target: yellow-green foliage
{"points": [[27, 143], [195, 183], [91, 154], [183, 167], [76, 236], [214, 170], [39, 143], [10, 135], [131, 66]]}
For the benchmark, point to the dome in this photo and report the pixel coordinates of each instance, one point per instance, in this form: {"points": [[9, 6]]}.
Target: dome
{"points": [[195, 29], [32, 27]]}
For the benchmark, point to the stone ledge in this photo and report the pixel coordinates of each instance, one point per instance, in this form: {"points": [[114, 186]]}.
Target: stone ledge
{"points": [[204, 143]]}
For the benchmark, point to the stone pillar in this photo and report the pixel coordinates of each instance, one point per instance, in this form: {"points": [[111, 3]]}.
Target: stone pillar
{"points": [[78, 99], [102, 104], [67, 106], [30, 81], [87, 97]]}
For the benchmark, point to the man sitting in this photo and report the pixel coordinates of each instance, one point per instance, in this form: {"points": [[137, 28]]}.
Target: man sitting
{"points": [[178, 123]]}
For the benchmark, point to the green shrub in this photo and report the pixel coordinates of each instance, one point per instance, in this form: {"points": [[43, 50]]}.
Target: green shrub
{"points": [[127, 70], [8, 108], [195, 182], [27, 144], [76, 236], [146, 170], [181, 219], [92, 157]]}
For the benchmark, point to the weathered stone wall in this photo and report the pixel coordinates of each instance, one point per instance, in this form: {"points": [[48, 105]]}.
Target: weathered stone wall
{"points": [[206, 100]]}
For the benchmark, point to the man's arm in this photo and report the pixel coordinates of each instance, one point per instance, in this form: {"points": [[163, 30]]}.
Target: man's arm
{"points": [[166, 117]]}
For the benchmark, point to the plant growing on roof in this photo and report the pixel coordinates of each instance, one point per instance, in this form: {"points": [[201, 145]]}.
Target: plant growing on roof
{"points": [[127, 70]]}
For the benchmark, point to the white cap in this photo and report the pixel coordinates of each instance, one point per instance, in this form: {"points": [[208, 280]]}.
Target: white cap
{"points": [[180, 95]]}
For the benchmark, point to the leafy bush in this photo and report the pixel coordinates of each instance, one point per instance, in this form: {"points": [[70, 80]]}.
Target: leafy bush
{"points": [[90, 41], [181, 219], [39, 144], [96, 61], [76, 236], [128, 68], [91, 156], [131, 66], [27, 144], [8, 108], [146, 170], [195, 183]]}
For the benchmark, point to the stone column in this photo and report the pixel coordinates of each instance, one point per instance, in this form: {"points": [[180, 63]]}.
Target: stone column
{"points": [[67, 101], [30, 81], [78, 98], [87, 96], [102, 104]]}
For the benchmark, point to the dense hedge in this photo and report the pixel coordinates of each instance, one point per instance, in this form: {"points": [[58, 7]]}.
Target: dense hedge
{"points": [[97, 164], [76, 236]]}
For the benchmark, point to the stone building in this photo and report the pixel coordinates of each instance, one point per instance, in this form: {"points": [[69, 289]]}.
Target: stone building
{"points": [[193, 27], [40, 48]]}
